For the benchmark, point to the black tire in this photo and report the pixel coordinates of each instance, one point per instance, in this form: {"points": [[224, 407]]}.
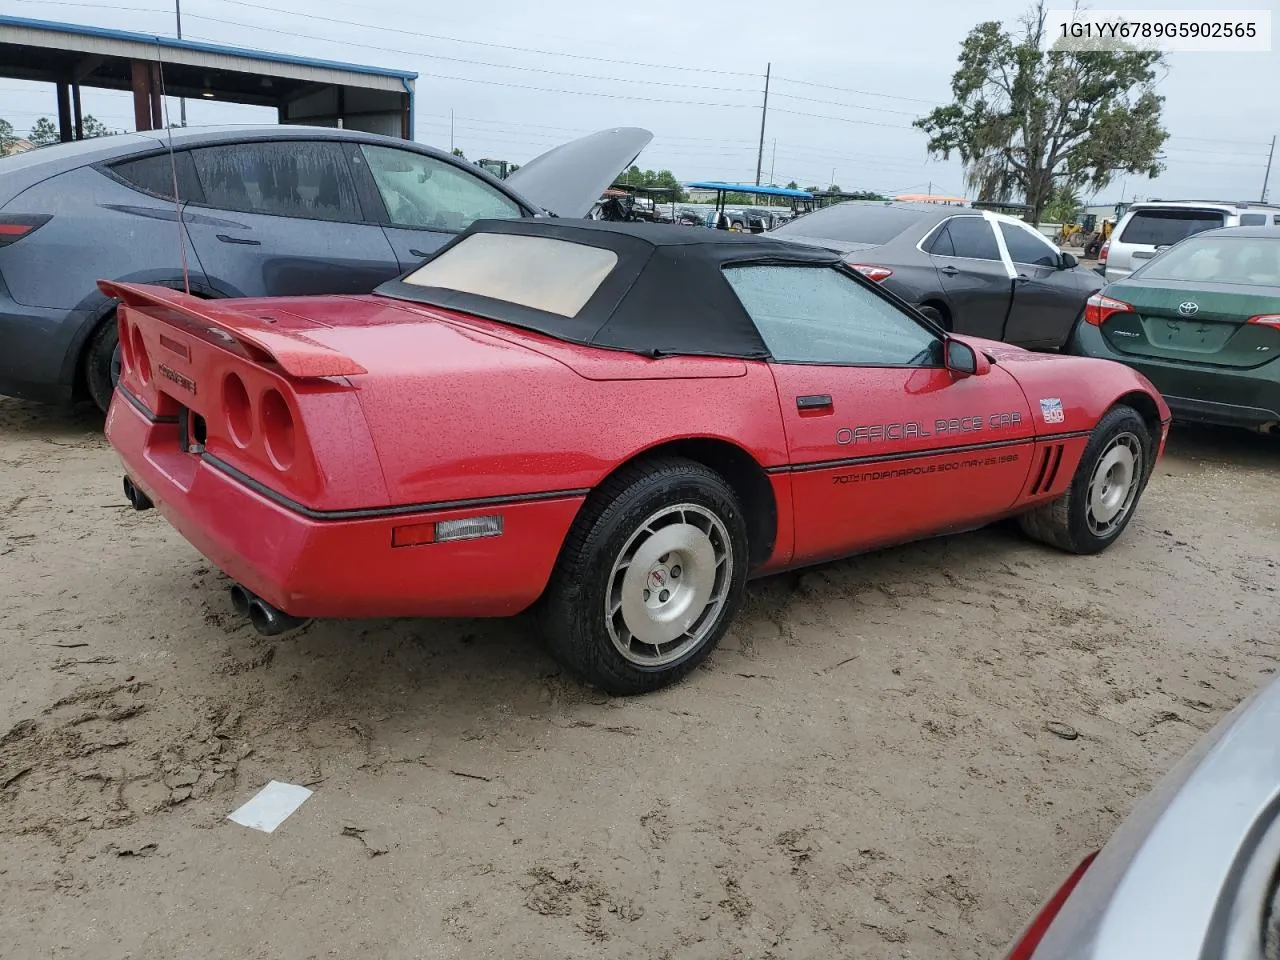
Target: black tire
{"points": [[102, 363], [1068, 522], [573, 617], [934, 314]]}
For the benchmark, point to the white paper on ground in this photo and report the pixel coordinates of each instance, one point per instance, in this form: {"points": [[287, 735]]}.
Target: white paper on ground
{"points": [[271, 806]]}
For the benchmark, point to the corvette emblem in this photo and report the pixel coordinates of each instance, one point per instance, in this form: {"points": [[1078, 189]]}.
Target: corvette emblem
{"points": [[1188, 308]]}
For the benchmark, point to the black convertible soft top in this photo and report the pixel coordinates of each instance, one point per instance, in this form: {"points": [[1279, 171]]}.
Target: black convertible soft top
{"points": [[665, 295]]}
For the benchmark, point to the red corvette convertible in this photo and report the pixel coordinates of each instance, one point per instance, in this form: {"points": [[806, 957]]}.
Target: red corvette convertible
{"points": [[617, 424]]}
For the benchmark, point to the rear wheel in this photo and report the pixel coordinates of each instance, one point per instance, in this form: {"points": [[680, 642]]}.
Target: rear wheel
{"points": [[649, 578], [1105, 490], [102, 363], [934, 314]]}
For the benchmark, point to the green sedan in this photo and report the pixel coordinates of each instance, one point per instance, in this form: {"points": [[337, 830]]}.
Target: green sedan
{"points": [[1201, 321]]}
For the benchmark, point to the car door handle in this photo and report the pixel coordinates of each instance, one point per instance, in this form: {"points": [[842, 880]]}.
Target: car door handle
{"points": [[949, 270], [244, 240], [814, 401], [1021, 278], [418, 253]]}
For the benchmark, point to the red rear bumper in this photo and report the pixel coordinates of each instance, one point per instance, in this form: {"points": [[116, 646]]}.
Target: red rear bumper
{"points": [[312, 567]]}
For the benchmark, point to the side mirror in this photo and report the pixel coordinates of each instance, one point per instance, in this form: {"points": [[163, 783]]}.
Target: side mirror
{"points": [[964, 360], [1066, 261]]}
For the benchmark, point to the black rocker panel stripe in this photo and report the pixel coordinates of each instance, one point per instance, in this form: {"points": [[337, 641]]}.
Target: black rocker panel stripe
{"points": [[919, 454], [394, 511]]}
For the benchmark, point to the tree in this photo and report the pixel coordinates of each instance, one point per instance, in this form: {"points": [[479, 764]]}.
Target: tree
{"points": [[43, 133], [1063, 206], [7, 137], [1026, 120], [792, 186], [633, 176], [457, 152], [834, 188], [93, 127]]}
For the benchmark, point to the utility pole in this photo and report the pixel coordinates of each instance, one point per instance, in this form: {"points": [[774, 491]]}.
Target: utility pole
{"points": [[182, 101], [1267, 176], [764, 112]]}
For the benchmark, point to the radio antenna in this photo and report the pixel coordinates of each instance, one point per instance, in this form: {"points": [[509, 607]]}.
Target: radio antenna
{"points": [[173, 171]]}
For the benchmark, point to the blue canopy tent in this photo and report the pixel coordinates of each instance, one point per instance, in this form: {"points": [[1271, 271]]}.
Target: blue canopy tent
{"points": [[724, 189]]}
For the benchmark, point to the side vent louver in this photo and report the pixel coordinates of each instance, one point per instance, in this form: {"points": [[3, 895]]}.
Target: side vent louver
{"points": [[1047, 472]]}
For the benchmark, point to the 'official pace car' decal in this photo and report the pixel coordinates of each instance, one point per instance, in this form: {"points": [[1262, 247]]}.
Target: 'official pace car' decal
{"points": [[878, 432], [1051, 410]]}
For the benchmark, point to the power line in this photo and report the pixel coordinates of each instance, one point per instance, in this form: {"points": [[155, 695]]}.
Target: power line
{"points": [[499, 46], [864, 93]]}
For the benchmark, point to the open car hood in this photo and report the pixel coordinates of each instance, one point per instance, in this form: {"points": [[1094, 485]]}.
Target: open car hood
{"points": [[568, 179]]}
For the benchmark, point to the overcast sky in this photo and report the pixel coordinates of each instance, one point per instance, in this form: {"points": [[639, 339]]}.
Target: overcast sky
{"points": [[848, 79]]}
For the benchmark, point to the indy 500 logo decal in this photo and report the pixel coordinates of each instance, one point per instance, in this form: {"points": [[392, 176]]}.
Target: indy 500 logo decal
{"points": [[1051, 410]]}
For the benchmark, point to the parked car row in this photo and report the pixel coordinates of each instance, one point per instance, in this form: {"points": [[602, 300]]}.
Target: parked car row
{"points": [[265, 211], [1193, 301]]}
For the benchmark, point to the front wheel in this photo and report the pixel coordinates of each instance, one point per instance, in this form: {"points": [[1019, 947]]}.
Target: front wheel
{"points": [[1105, 490], [649, 578]]}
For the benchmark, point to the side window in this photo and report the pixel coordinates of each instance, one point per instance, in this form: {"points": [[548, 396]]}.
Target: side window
{"points": [[1253, 219], [420, 191], [284, 179], [1025, 247], [821, 315], [941, 245], [155, 175], [971, 237]]}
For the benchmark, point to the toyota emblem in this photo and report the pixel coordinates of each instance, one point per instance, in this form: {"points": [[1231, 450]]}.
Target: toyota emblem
{"points": [[1189, 308]]}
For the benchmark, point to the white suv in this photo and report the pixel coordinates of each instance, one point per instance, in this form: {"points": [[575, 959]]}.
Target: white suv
{"points": [[1153, 225]]}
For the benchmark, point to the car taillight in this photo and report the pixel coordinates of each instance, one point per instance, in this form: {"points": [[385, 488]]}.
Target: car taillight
{"points": [[14, 228], [1097, 308], [1267, 320], [1025, 946], [1102, 254], [871, 272]]}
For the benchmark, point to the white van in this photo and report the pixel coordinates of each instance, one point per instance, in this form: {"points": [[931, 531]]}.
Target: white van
{"points": [[1155, 224]]}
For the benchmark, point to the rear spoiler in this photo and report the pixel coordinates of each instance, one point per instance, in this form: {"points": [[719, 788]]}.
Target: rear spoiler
{"points": [[296, 355]]}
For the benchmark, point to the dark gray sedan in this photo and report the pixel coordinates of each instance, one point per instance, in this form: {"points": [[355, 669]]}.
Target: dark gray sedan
{"points": [[975, 272], [266, 211]]}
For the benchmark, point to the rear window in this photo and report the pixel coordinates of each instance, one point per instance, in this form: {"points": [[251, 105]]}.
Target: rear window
{"points": [[1219, 259], [853, 223], [1162, 228], [1253, 219], [555, 276]]}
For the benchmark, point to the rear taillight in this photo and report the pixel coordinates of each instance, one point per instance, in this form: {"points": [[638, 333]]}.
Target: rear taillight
{"points": [[1267, 320], [1102, 254], [1097, 308], [14, 228], [871, 272], [1025, 946]]}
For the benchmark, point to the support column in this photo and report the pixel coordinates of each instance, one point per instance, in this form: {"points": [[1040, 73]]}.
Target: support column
{"points": [[76, 111], [64, 112], [157, 106], [141, 95]]}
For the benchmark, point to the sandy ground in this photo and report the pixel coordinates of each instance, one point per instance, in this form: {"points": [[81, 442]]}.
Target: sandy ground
{"points": [[862, 770]]}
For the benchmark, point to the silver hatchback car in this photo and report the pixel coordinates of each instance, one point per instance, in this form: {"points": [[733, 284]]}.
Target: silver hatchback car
{"points": [[1194, 872]]}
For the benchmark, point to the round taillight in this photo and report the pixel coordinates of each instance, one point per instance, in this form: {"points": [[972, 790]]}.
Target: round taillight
{"points": [[125, 334], [237, 409], [141, 362], [278, 430]]}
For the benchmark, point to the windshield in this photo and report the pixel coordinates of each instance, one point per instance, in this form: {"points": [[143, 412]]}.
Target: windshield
{"points": [[1221, 258], [853, 223]]}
